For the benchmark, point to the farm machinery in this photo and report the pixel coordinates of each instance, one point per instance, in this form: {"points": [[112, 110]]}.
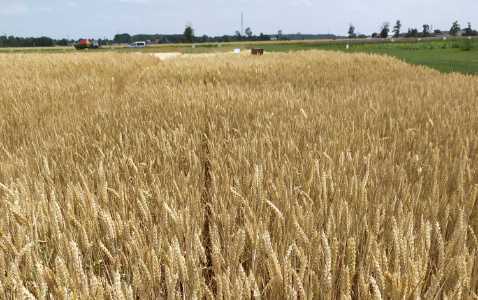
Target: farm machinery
{"points": [[85, 44]]}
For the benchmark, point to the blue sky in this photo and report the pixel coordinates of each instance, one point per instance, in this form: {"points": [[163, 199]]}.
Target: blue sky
{"points": [[105, 18]]}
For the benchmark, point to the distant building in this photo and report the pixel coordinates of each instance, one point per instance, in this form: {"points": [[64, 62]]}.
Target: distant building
{"points": [[447, 33]]}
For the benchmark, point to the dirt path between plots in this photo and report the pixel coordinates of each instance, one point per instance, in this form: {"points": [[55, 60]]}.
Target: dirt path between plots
{"points": [[163, 56]]}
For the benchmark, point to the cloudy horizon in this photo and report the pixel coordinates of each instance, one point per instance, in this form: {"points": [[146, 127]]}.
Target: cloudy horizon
{"points": [[104, 18]]}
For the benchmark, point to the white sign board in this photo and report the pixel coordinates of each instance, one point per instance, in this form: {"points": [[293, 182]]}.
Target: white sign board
{"points": [[346, 47], [444, 38], [469, 37], [219, 45], [237, 50], [194, 46]]}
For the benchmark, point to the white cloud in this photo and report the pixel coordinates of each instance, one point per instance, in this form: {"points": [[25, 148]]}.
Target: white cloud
{"points": [[132, 1], [47, 9], [217, 17], [300, 3], [357, 6], [14, 9]]}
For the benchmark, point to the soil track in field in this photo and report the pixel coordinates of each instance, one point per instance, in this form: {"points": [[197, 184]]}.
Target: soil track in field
{"points": [[166, 55], [163, 56]]}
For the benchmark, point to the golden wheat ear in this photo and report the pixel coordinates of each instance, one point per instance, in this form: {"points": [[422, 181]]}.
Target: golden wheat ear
{"points": [[301, 175]]}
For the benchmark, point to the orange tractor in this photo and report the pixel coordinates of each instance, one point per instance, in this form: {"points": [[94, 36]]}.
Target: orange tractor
{"points": [[85, 44]]}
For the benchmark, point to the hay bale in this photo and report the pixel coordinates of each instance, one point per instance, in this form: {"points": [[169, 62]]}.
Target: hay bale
{"points": [[257, 51]]}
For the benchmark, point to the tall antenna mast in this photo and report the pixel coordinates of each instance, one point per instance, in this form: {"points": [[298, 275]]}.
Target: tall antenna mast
{"points": [[242, 23]]}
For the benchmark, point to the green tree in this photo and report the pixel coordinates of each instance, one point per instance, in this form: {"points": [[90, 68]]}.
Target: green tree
{"points": [[249, 33], [412, 32], [469, 32], [263, 37], [279, 35], [351, 31], [384, 30], [396, 29], [123, 38], [3, 41], [238, 35], [189, 34], [12, 42], [454, 28], [426, 30], [40, 42]]}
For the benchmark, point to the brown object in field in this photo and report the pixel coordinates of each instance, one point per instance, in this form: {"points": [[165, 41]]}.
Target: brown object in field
{"points": [[255, 51]]}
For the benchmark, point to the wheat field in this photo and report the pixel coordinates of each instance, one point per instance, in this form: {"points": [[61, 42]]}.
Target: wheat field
{"points": [[301, 175]]}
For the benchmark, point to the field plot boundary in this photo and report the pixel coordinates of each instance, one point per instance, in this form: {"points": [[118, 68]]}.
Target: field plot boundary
{"points": [[298, 175]]}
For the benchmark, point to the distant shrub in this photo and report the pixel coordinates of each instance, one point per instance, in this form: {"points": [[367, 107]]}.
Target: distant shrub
{"points": [[467, 45]]}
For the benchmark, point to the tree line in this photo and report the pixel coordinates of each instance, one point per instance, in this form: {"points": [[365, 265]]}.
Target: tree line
{"points": [[249, 36], [189, 37], [12, 41], [414, 32], [125, 38]]}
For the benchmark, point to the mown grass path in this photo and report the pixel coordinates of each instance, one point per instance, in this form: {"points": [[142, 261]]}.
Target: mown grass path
{"points": [[453, 58]]}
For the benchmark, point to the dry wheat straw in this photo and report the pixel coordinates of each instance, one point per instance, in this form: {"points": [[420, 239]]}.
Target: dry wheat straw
{"points": [[232, 175]]}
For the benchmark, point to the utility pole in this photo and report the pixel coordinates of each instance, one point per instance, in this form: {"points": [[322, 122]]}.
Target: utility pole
{"points": [[242, 23]]}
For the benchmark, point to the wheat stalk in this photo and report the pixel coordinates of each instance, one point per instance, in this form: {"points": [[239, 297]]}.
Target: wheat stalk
{"points": [[202, 177]]}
